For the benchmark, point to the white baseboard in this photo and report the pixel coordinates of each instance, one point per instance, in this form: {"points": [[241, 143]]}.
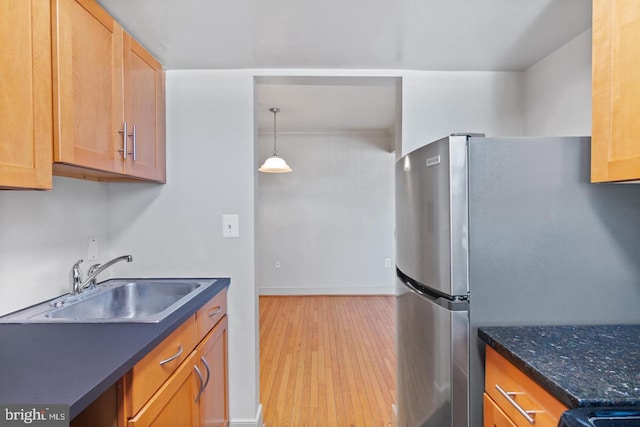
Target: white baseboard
{"points": [[328, 291], [257, 422]]}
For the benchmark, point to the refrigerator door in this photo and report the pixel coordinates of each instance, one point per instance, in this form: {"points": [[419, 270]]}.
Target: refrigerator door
{"points": [[432, 355], [432, 216]]}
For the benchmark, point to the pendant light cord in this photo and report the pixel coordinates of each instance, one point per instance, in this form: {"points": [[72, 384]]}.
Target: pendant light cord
{"points": [[275, 147]]}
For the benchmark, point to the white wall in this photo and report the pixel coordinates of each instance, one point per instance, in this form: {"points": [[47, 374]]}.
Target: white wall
{"points": [[330, 222], [557, 91], [175, 229], [42, 233], [436, 104]]}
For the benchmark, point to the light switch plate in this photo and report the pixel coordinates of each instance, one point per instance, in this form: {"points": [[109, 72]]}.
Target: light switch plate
{"points": [[230, 226], [92, 252]]}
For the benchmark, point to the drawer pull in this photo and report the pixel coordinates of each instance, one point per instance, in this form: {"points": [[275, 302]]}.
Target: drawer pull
{"points": [[201, 382], [509, 395], [217, 310], [174, 357], [206, 365]]}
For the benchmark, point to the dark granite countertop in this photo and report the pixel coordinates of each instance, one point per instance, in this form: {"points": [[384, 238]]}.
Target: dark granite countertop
{"points": [[579, 365], [73, 364]]}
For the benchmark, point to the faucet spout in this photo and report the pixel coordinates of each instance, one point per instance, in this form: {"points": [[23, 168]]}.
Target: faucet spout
{"points": [[97, 269]]}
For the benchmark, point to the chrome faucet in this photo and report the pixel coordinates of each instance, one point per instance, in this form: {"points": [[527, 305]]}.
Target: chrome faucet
{"points": [[78, 285]]}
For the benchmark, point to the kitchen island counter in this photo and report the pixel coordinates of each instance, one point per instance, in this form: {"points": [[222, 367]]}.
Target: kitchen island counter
{"points": [[73, 363], [579, 365]]}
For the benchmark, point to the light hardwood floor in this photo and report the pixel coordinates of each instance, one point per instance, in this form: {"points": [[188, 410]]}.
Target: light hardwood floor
{"points": [[327, 361]]}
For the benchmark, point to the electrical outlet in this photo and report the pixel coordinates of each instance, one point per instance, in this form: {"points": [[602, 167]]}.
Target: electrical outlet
{"points": [[387, 262], [277, 264]]}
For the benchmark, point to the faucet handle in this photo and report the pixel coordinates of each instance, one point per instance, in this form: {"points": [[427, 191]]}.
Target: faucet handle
{"points": [[92, 270], [76, 276]]}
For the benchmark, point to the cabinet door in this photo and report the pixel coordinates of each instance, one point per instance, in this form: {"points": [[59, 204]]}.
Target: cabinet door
{"points": [[174, 404], [87, 55], [144, 110], [616, 91], [212, 356], [25, 103], [148, 375], [493, 415]]}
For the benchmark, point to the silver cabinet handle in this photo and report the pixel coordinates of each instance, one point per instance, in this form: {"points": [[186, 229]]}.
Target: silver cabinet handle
{"points": [[174, 357], [528, 415], [213, 313], [201, 383], [206, 365], [133, 135], [125, 135]]}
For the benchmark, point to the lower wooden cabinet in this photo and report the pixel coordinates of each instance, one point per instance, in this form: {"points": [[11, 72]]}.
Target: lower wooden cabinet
{"points": [[174, 404], [493, 415], [183, 382], [196, 393], [512, 399], [212, 354]]}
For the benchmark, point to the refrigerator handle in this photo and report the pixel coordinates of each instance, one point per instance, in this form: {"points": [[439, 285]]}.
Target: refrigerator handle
{"points": [[418, 291]]}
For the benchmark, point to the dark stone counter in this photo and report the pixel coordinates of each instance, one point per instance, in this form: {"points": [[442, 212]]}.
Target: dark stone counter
{"points": [[73, 364], [579, 365]]}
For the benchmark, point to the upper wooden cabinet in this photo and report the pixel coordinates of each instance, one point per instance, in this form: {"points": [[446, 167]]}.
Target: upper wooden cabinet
{"points": [[144, 112], [25, 100], [87, 54], [615, 153], [108, 98]]}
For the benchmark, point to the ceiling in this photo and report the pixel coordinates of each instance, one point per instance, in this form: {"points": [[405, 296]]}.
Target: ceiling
{"points": [[479, 35], [321, 104]]}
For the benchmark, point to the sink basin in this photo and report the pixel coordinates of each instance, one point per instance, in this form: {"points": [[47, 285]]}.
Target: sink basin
{"points": [[132, 300], [116, 300]]}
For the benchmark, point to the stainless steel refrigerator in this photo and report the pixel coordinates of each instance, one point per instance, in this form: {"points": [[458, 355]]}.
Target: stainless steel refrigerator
{"points": [[501, 231]]}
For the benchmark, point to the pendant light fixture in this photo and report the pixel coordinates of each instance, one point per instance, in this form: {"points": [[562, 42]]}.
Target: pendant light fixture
{"points": [[274, 164]]}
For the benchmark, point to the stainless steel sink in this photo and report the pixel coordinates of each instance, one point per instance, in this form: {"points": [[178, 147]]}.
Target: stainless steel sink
{"points": [[116, 300]]}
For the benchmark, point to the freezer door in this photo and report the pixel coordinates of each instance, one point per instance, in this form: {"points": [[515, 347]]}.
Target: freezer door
{"points": [[432, 360], [432, 215]]}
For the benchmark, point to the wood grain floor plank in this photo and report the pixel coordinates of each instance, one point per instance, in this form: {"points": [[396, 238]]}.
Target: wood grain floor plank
{"points": [[327, 361]]}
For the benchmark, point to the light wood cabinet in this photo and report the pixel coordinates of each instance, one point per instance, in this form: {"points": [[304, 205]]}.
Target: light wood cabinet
{"points": [[493, 415], [26, 100], [174, 404], [105, 87], [615, 152], [182, 382], [210, 314], [144, 113], [511, 397], [148, 375], [212, 355]]}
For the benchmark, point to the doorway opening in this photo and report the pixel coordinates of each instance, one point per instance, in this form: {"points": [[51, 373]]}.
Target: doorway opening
{"points": [[327, 228]]}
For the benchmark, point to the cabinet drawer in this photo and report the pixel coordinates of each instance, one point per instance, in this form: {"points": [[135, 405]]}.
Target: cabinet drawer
{"points": [[501, 378], [174, 404], [210, 314], [493, 415], [147, 376]]}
